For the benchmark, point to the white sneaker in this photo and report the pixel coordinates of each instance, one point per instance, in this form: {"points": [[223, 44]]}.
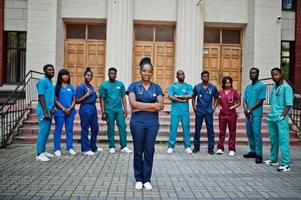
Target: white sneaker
{"points": [[148, 186], [126, 150], [284, 168], [72, 152], [112, 150], [188, 150], [99, 149], [49, 155], [138, 185], [57, 153], [88, 153], [42, 158], [231, 153], [269, 162], [219, 151], [170, 150]]}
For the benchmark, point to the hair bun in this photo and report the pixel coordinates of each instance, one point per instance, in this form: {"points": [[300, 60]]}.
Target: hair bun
{"points": [[145, 60], [88, 68]]}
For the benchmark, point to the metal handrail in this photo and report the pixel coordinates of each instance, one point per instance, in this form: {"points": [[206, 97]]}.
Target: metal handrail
{"points": [[17, 105]]}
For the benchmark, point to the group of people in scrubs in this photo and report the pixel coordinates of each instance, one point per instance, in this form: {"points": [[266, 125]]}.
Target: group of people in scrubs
{"points": [[146, 101]]}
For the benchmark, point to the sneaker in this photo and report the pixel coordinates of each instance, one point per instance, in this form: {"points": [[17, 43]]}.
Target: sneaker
{"points": [[138, 185], [49, 155], [57, 153], [42, 158], [231, 153], [284, 168], [126, 150], [196, 149], [169, 150], [210, 151], [219, 151], [88, 153], [112, 150], [188, 150], [258, 159], [148, 186], [72, 152], [269, 162], [99, 149], [250, 155]]}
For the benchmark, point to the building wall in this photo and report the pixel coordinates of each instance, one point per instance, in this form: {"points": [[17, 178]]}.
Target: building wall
{"points": [[297, 68], [15, 12]]}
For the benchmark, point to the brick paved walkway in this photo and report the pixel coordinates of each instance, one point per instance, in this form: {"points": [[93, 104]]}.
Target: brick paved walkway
{"points": [[176, 176]]}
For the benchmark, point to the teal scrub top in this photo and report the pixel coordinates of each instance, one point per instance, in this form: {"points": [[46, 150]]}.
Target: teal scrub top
{"points": [[281, 97], [112, 94], [46, 89], [180, 108], [254, 93]]}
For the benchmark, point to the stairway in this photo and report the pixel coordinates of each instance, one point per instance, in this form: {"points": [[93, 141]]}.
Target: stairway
{"points": [[27, 133]]}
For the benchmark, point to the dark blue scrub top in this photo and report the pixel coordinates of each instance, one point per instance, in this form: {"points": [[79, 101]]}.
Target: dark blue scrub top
{"points": [[82, 89], [204, 98], [66, 95], [145, 96]]}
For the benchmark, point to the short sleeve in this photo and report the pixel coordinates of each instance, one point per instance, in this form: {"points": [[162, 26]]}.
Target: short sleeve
{"points": [[190, 92], [131, 88], [159, 90], [236, 95], [102, 92], [170, 91], [41, 87], [262, 92], [288, 95], [246, 94], [195, 92], [73, 90], [80, 91], [216, 94], [122, 92]]}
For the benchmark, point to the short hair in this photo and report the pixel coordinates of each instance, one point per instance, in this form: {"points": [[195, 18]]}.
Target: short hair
{"points": [[46, 66], [204, 72], [112, 68], [224, 80], [88, 69], [144, 61], [254, 68], [276, 69]]}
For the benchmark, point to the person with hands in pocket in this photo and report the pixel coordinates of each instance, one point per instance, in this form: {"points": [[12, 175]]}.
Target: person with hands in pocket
{"points": [[228, 101], [45, 111], [146, 100], [255, 94], [205, 93], [65, 112], [86, 96], [281, 101], [113, 107]]}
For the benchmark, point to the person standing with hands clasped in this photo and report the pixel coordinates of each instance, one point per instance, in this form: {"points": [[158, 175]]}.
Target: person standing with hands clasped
{"points": [[114, 108], [146, 100], [86, 97], [281, 101]]}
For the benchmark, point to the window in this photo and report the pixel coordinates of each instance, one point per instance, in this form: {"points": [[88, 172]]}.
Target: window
{"points": [[287, 57], [86, 31], [288, 4], [154, 33], [222, 36], [211, 35], [15, 56]]}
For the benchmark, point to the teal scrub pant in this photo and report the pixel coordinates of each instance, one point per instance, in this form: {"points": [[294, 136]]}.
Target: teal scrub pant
{"points": [[43, 133], [279, 137], [175, 120], [119, 118], [253, 126]]}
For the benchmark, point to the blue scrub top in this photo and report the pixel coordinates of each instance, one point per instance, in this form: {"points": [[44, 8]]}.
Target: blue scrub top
{"points": [[82, 89], [45, 88], [205, 98], [254, 93], [145, 96], [180, 108], [66, 95], [279, 99]]}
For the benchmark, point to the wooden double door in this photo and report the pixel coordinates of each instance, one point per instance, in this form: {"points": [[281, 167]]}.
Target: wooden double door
{"points": [[81, 53], [223, 60]]}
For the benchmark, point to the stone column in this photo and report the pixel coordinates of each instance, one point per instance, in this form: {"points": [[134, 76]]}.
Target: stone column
{"points": [[119, 44], [189, 39]]}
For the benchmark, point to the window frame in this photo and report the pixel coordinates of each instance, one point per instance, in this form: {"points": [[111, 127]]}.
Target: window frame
{"points": [[289, 9], [291, 57]]}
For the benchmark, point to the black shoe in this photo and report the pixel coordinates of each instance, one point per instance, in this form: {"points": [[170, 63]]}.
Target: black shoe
{"points": [[196, 149], [258, 159], [210, 151], [250, 155]]}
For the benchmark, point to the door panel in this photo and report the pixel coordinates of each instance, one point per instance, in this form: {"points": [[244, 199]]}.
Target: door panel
{"points": [[211, 63]]}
